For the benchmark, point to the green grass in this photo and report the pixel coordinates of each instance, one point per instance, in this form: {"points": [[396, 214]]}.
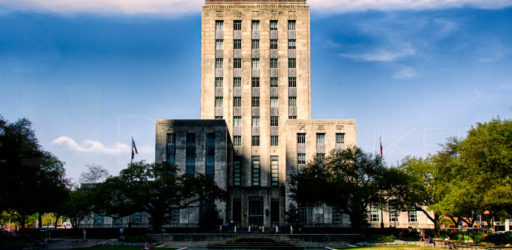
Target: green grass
{"points": [[121, 248], [393, 247]]}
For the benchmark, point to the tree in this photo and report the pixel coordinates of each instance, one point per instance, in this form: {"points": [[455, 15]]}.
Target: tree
{"points": [[32, 180], [95, 174], [155, 189], [358, 179]]}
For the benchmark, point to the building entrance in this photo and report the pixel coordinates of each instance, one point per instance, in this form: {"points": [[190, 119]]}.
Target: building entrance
{"points": [[256, 211]]}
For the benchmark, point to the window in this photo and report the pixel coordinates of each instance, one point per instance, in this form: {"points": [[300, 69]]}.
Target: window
{"points": [[255, 122], [273, 82], [237, 44], [171, 148], [291, 25], [255, 171], [237, 25], [274, 140], [98, 219], [210, 155], [219, 25], [301, 138], [274, 102], [237, 121], [237, 173], [292, 117], [219, 117], [274, 169], [255, 140], [320, 138], [137, 217], [237, 140], [412, 215], [218, 102], [175, 216], [336, 216], [219, 44], [191, 154], [255, 25], [255, 81], [301, 158], [255, 101], [218, 63], [292, 63], [255, 44], [291, 43], [255, 63], [237, 101], [320, 156], [393, 214], [274, 121], [219, 82], [273, 63], [273, 44], [292, 101], [237, 63], [292, 82], [374, 213], [237, 82], [273, 25], [340, 138]]}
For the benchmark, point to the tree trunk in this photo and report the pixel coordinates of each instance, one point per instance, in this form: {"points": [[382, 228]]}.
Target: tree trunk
{"points": [[39, 220]]}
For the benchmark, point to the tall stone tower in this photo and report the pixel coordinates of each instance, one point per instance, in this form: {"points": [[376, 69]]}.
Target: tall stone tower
{"points": [[255, 74]]}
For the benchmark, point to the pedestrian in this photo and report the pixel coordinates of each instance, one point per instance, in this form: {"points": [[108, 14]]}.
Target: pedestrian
{"points": [[422, 235], [84, 235]]}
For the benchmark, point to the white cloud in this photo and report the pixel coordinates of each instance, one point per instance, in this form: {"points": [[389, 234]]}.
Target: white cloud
{"points": [[172, 8], [91, 146], [168, 8], [380, 55], [405, 73], [362, 5]]}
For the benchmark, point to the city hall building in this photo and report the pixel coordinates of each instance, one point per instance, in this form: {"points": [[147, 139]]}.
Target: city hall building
{"points": [[256, 128]]}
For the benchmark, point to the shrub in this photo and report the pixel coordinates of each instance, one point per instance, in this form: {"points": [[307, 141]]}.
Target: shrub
{"points": [[139, 238]]}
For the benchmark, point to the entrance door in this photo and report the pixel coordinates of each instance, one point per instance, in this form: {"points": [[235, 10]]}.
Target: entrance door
{"points": [[256, 211]]}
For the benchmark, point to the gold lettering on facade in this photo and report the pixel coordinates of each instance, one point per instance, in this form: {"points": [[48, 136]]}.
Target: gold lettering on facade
{"points": [[340, 127], [320, 127]]}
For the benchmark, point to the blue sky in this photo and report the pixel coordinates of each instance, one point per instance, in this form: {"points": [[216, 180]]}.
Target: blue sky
{"points": [[91, 75]]}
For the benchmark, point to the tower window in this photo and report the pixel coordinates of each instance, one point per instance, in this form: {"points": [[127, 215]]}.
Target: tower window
{"points": [[255, 140], [292, 101], [219, 25], [255, 101], [291, 43], [255, 122], [255, 25], [237, 63], [237, 121], [273, 44], [255, 81], [237, 101], [273, 82], [340, 138], [301, 138], [274, 102], [218, 102], [292, 82], [237, 25], [237, 140], [291, 24], [219, 44], [274, 140], [237, 82], [255, 172], [273, 63], [273, 25], [274, 121], [219, 63], [237, 44], [219, 82], [255, 63], [255, 44], [292, 63]]}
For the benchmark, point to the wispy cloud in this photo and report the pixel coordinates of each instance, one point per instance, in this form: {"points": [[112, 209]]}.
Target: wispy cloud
{"points": [[362, 5], [505, 86], [380, 55], [166, 8], [92, 146], [405, 73], [173, 8]]}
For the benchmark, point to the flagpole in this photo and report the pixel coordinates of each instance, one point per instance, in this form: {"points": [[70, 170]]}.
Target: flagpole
{"points": [[131, 151]]}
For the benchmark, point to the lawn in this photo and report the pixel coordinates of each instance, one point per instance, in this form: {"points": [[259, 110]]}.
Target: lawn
{"points": [[392, 247], [121, 248]]}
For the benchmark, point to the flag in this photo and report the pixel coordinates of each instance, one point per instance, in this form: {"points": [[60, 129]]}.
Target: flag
{"points": [[380, 147], [134, 149]]}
